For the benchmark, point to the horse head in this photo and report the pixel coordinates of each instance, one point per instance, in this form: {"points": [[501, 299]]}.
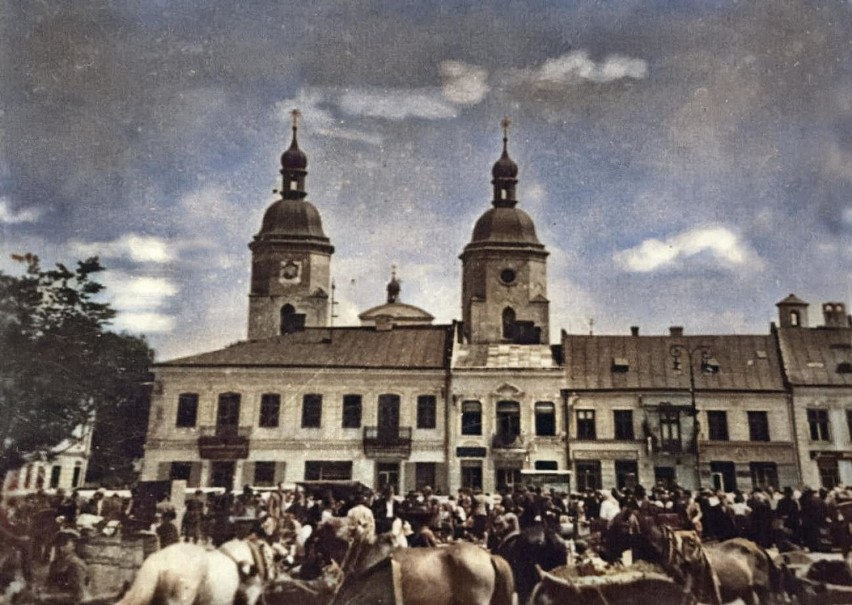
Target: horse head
{"points": [[687, 558]]}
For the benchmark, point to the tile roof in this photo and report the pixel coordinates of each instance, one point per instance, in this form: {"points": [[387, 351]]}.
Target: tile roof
{"points": [[421, 347], [508, 356], [598, 363], [811, 356]]}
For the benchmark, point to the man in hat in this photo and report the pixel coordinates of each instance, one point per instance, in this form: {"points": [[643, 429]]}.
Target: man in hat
{"points": [[67, 576]]}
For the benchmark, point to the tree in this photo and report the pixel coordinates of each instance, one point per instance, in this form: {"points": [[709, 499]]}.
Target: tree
{"points": [[62, 368]]}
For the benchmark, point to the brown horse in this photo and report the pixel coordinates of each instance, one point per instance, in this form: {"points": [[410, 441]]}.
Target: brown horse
{"points": [[725, 571], [625, 588], [461, 574]]}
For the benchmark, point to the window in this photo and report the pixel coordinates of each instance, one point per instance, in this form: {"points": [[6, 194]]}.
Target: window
{"points": [[471, 418], [424, 475], [849, 422], [291, 321], [588, 475], [387, 475], [795, 319], [546, 465], [471, 474], [55, 474], [508, 419], [328, 470], [180, 471], [78, 471], [818, 425], [187, 412], [264, 473], [508, 323], [829, 472], [586, 424], [545, 419], [270, 410], [758, 426], [623, 420], [311, 411], [717, 425], [507, 478], [626, 473], [764, 474], [351, 411], [670, 438], [228, 412], [426, 412], [724, 475], [844, 367]]}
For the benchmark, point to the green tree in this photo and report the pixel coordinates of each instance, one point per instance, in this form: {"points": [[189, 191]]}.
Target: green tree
{"points": [[61, 368]]}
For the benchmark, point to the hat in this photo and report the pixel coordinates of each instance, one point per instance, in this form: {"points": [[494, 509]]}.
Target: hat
{"points": [[65, 535]]}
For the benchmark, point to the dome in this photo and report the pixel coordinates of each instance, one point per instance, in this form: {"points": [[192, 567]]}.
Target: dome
{"points": [[297, 218], [505, 167], [294, 158], [505, 225]]}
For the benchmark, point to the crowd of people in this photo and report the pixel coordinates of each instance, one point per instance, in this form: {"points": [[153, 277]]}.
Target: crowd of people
{"points": [[47, 528]]}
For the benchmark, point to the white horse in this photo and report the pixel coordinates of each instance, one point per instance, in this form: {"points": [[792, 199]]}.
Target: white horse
{"points": [[189, 574]]}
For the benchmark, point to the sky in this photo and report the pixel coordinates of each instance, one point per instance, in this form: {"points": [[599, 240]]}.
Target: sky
{"points": [[685, 163]]}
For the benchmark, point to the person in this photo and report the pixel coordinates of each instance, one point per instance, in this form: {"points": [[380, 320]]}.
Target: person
{"points": [[385, 510], [609, 507], [167, 531], [194, 517], [67, 576]]}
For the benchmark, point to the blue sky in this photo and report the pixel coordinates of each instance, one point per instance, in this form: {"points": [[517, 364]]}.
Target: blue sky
{"points": [[686, 163]]}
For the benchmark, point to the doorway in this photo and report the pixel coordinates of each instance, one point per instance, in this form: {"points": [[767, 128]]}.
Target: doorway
{"points": [[222, 474], [664, 476]]}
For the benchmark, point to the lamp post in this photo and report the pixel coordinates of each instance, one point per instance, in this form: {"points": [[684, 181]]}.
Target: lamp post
{"points": [[676, 350]]}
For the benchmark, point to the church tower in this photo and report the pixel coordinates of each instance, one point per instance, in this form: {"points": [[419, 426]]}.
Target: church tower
{"points": [[291, 257], [504, 268]]}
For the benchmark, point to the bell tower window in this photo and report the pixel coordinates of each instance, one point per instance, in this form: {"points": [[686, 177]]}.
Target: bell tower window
{"points": [[508, 322], [290, 320], [794, 318]]}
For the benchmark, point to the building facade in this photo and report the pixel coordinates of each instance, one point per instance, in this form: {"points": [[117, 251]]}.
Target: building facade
{"points": [[487, 402]]}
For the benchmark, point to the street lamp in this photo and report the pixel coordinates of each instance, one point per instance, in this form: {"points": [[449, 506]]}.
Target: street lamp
{"points": [[676, 350]]}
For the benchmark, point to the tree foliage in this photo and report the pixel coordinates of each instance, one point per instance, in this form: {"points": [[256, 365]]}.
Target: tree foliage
{"points": [[61, 368]]}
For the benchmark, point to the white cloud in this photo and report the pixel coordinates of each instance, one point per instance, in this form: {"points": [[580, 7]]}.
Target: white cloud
{"points": [[8, 216], [397, 103], [463, 83], [320, 121], [144, 323], [576, 66], [653, 254], [138, 248], [130, 292]]}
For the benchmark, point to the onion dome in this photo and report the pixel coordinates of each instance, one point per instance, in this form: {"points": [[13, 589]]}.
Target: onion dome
{"points": [[294, 158], [292, 218], [505, 225]]}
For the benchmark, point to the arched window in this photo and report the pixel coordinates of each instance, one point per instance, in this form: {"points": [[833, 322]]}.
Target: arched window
{"points": [[795, 320], [290, 320], [508, 322]]}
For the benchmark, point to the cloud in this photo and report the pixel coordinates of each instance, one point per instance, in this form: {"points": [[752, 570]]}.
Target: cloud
{"points": [[144, 323], [463, 83], [138, 248], [312, 102], [397, 103], [576, 66], [9, 216], [720, 243], [138, 292]]}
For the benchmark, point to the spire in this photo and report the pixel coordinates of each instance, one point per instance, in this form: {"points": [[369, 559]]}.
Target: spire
{"points": [[393, 287], [294, 163], [504, 173]]}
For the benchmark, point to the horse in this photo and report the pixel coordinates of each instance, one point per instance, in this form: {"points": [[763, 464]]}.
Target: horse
{"points": [[188, 573], [378, 571], [533, 547], [725, 571], [626, 588]]}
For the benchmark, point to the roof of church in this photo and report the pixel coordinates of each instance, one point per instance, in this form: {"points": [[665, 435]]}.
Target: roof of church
{"points": [[414, 347], [741, 362], [812, 356], [397, 310], [507, 356]]}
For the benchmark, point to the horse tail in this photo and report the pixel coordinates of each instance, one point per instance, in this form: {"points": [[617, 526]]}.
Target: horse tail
{"points": [[145, 585], [504, 583]]}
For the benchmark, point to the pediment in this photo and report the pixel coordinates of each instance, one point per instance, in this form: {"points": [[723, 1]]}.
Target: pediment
{"points": [[508, 391]]}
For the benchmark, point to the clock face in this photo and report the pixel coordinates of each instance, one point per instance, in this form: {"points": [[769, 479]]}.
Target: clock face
{"points": [[289, 271]]}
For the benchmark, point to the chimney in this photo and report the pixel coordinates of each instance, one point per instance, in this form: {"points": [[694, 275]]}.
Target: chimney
{"points": [[634, 330], [676, 331], [834, 314]]}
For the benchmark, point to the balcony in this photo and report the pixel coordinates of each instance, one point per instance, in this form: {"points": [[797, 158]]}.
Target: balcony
{"points": [[223, 442], [394, 442], [508, 441]]}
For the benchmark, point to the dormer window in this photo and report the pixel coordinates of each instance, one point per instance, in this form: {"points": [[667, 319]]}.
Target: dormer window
{"points": [[710, 366], [620, 365]]}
